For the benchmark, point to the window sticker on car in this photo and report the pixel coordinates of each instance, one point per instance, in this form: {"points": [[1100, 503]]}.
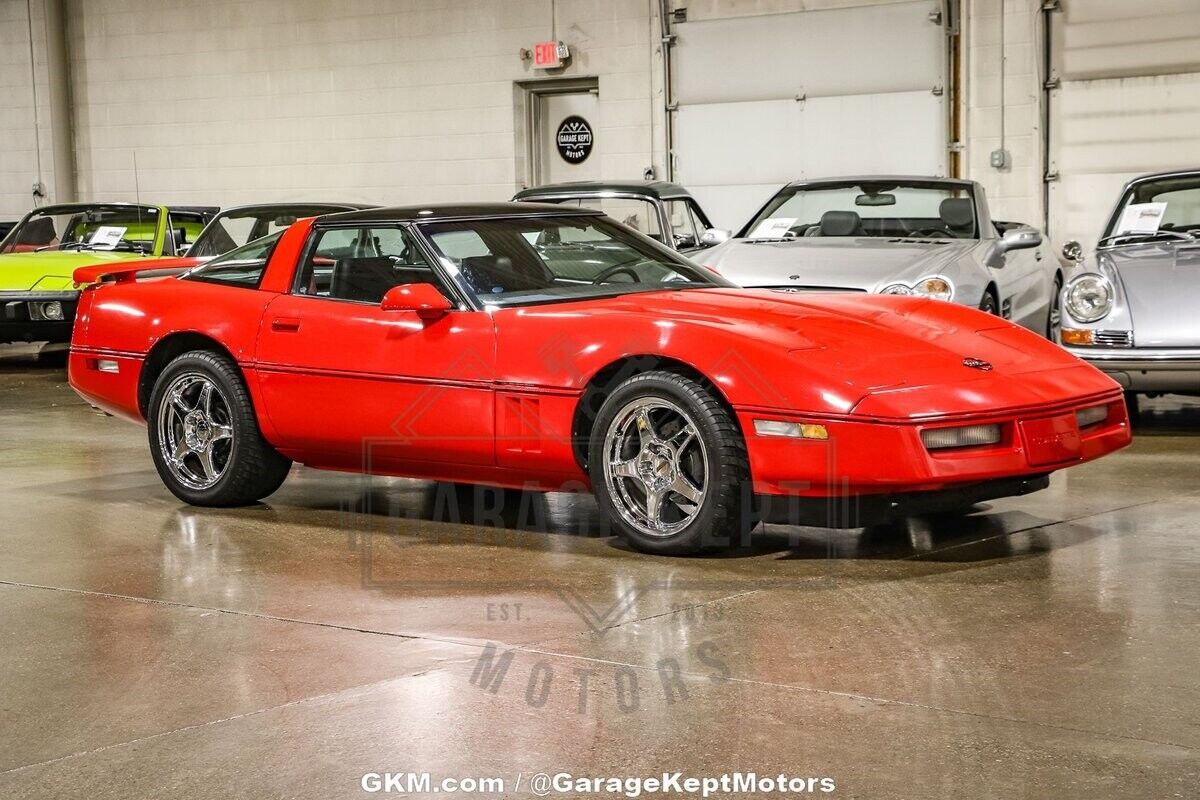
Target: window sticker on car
{"points": [[1142, 218], [107, 236], [772, 228]]}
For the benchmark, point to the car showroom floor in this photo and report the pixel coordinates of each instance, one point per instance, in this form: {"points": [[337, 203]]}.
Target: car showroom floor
{"points": [[1043, 647]]}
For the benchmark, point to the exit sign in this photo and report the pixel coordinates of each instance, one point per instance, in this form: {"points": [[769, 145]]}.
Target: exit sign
{"points": [[549, 55]]}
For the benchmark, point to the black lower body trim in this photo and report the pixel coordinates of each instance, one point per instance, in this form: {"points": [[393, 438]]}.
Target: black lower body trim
{"points": [[30, 331], [864, 510]]}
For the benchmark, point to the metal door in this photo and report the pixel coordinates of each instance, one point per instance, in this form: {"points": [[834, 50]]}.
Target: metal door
{"points": [[566, 147]]}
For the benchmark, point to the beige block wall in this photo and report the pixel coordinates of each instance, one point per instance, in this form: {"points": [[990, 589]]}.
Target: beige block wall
{"points": [[1015, 193], [388, 101], [399, 101], [20, 145]]}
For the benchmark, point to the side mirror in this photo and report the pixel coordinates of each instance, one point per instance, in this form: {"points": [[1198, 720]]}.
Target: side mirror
{"points": [[423, 298], [1019, 239], [714, 236], [1073, 251]]}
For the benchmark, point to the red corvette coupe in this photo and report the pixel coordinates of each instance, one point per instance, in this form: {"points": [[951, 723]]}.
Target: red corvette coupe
{"points": [[549, 348]]}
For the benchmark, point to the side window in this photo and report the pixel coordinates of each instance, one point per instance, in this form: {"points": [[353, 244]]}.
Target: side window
{"points": [[362, 264], [183, 230], [686, 230], [242, 266]]}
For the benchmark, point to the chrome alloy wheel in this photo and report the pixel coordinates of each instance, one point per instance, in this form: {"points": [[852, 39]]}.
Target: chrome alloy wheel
{"points": [[655, 466], [195, 430]]}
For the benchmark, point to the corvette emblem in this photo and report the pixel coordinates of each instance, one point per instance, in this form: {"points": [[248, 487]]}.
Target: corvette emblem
{"points": [[977, 363]]}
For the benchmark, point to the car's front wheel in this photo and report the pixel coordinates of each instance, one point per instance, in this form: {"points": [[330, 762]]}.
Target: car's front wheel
{"points": [[1054, 315], [204, 437], [669, 466], [1133, 405]]}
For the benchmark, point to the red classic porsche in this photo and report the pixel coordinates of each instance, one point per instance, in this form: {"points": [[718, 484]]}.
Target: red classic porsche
{"points": [[549, 348]]}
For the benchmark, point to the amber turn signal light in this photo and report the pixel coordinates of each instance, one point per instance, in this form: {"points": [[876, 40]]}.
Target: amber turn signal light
{"points": [[1078, 336], [794, 430]]}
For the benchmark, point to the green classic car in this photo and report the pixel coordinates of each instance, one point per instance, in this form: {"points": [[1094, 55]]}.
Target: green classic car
{"points": [[37, 257]]}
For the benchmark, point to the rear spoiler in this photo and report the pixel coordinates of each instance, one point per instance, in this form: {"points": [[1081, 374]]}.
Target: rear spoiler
{"points": [[128, 271]]}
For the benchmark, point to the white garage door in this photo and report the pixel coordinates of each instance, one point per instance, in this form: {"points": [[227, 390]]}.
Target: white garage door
{"points": [[769, 99], [1128, 103]]}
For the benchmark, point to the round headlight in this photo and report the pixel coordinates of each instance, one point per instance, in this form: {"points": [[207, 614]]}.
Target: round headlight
{"points": [[935, 286], [1089, 297], [897, 288], [52, 311]]}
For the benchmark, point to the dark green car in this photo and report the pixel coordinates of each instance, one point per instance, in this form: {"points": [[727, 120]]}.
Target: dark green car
{"points": [[661, 210]]}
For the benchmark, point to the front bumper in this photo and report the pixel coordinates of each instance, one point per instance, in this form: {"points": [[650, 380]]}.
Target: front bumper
{"points": [[1145, 369], [22, 320], [876, 470]]}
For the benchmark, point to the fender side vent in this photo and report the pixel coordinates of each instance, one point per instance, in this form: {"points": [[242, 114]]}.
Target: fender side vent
{"points": [[520, 425]]}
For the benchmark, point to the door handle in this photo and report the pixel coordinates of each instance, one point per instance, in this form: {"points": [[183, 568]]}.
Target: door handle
{"points": [[285, 324]]}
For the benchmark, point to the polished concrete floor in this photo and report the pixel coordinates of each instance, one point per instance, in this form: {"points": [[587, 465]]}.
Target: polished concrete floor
{"points": [[1044, 647]]}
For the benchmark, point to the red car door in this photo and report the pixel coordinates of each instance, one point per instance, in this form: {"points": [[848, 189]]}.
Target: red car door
{"points": [[347, 384]]}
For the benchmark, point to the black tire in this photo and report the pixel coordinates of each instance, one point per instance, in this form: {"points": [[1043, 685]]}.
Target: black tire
{"points": [[724, 516], [1055, 307], [1133, 405], [252, 469], [988, 304], [54, 355]]}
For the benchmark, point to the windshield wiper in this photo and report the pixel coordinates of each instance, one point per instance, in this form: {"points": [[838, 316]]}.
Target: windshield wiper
{"points": [[66, 246], [1182, 235]]}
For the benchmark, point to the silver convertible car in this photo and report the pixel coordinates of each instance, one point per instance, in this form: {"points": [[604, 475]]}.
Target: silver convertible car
{"points": [[1131, 307], [896, 235]]}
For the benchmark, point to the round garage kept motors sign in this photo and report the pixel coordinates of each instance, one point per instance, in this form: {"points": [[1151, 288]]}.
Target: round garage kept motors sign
{"points": [[574, 140]]}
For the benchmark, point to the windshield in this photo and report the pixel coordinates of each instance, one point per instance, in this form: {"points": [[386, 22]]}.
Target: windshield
{"points": [[507, 262], [243, 266], [633, 212], [99, 227], [235, 228], [1164, 208], [890, 210]]}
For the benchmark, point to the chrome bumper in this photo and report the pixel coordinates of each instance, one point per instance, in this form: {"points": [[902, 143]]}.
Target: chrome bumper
{"points": [[1145, 369]]}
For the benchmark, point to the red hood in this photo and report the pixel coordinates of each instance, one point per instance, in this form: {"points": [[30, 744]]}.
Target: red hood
{"points": [[824, 352], [128, 270]]}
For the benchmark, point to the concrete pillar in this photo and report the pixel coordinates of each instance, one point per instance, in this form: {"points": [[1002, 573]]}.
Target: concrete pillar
{"points": [[62, 130]]}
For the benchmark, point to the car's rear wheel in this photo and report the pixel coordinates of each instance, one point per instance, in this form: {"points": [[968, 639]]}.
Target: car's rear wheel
{"points": [[669, 466], [204, 437]]}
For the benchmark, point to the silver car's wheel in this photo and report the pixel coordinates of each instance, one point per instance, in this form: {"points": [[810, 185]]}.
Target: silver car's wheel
{"points": [[195, 430], [988, 304], [655, 466], [1054, 322]]}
